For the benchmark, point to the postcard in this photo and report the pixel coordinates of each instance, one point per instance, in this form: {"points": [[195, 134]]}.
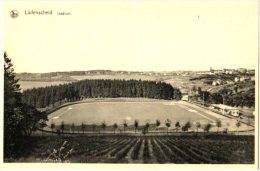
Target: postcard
{"points": [[147, 85]]}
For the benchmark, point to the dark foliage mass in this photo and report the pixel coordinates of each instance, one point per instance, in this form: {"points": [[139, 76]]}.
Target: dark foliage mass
{"points": [[43, 97], [20, 119], [228, 97]]}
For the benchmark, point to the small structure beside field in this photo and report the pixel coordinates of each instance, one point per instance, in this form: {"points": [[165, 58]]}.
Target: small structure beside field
{"points": [[226, 109]]}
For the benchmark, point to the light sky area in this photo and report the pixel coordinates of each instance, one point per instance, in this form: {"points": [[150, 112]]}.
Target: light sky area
{"points": [[131, 36]]}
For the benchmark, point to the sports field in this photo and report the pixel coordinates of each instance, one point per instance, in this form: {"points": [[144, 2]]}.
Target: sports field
{"points": [[116, 112]]}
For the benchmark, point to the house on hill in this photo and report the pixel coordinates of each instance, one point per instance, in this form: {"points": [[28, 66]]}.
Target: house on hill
{"points": [[230, 82], [237, 79]]}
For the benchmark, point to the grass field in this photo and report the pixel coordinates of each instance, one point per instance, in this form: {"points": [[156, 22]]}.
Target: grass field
{"points": [[116, 112]]}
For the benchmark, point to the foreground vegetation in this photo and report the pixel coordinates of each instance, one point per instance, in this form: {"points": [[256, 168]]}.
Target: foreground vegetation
{"points": [[212, 149], [20, 119]]}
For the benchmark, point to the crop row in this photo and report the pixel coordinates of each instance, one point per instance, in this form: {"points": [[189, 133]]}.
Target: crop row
{"points": [[176, 150]]}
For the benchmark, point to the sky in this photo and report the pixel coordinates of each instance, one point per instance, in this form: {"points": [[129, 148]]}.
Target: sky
{"points": [[131, 36]]}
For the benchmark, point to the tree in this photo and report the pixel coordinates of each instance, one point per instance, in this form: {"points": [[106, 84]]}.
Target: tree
{"points": [[207, 128], [62, 126], [238, 124], [125, 125], [20, 119], [42, 125], [198, 126], [227, 126], [115, 127], [168, 124], [12, 105], [184, 128], [218, 124], [188, 125], [52, 127], [147, 125], [103, 126], [136, 124], [158, 123], [31, 119], [73, 127], [177, 125], [83, 127], [177, 94]]}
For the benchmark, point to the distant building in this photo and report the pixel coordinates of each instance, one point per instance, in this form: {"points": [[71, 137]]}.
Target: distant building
{"points": [[242, 70], [226, 109], [251, 71], [219, 81], [244, 78], [214, 83], [230, 82], [185, 97], [237, 79]]}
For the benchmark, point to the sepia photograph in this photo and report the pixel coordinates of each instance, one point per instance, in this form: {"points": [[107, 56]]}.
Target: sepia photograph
{"points": [[138, 84]]}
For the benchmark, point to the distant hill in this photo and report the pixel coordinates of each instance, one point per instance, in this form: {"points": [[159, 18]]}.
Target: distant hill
{"points": [[67, 76]]}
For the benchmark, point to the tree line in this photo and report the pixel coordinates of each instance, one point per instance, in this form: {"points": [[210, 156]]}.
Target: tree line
{"points": [[145, 128], [43, 97]]}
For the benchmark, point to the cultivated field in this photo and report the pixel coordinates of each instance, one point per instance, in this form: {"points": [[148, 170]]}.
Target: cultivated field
{"points": [[120, 149], [95, 112]]}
